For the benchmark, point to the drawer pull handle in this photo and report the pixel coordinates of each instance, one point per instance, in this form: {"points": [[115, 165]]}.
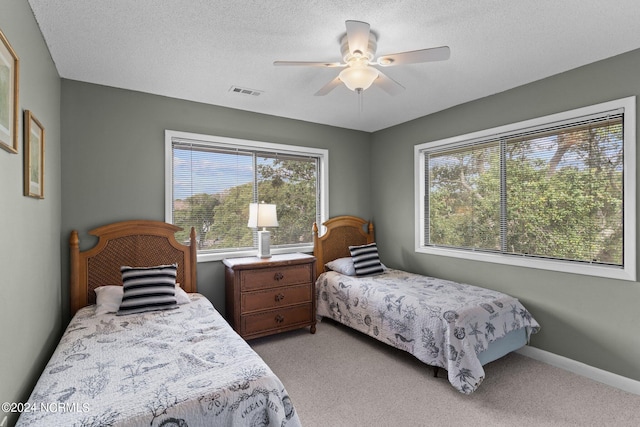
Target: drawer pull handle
{"points": [[279, 318], [279, 297], [278, 276]]}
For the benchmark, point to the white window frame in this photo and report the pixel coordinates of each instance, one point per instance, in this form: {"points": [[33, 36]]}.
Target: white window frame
{"points": [[627, 272], [323, 181]]}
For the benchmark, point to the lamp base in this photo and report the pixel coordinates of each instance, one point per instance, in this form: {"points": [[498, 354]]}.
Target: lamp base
{"points": [[264, 244]]}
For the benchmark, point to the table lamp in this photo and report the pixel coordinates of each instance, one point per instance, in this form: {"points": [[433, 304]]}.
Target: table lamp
{"points": [[263, 215]]}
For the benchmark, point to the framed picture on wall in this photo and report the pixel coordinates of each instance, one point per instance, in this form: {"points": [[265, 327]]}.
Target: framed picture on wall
{"points": [[9, 65], [33, 156]]}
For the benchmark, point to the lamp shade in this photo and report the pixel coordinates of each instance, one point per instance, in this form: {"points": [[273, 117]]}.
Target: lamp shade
{"points": [[262, 215], [358, 77]]}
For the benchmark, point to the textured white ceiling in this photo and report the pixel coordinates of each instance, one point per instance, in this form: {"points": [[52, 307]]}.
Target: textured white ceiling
{"points": [[197, 49]]}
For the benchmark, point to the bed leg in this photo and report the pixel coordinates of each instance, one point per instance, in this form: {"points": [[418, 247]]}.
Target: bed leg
{"points": [[435, 371], [313, 329]]}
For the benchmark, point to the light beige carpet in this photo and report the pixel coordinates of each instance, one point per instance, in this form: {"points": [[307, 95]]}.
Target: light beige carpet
{"points": [[339, 377]]}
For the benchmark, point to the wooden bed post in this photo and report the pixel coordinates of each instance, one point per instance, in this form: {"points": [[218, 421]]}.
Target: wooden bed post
{"points": [[193, 262], [318, 254], [77, 298]]}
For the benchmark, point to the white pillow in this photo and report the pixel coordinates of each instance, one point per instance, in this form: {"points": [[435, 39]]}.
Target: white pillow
{"points": [[181, 296], [108, 298], [345, 266], [342, 266]]}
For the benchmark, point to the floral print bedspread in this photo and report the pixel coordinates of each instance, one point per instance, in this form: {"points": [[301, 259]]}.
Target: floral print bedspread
{"points": [[183, 367], [440, 322]]}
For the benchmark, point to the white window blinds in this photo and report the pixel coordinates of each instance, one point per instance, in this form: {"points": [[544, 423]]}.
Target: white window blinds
{"points": [[214, 183], [553, 191]]}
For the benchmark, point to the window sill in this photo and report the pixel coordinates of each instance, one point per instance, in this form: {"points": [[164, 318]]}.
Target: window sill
{"points": [[219, 256], [585, 269]]}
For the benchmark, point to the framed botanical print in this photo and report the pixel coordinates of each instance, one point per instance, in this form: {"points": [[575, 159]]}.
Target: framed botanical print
{"points": [[9, 66], [33, 156]]}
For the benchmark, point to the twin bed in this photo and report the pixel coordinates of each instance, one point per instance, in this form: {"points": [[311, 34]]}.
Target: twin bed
{"points": [[444, 324], [181, 365], [176, 362]]}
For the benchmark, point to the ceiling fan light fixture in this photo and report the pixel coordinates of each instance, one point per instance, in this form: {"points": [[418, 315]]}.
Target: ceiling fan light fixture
{"points": [[358, 47], [358, 78]]}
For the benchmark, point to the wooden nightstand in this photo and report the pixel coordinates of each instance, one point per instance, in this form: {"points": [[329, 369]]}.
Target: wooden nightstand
{"points": [[272, 295]]}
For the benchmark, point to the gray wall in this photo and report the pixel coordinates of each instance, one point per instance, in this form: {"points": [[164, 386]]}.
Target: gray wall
{"points": [[29, 228], [587, 319], [113, 159]]}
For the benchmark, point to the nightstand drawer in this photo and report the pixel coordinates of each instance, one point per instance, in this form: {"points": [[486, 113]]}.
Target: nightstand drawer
{"points": [[264, 278], [276, 319], [275, 297]]}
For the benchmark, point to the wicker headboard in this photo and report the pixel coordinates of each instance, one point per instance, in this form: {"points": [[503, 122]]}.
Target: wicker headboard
{"points": [[139, 243], [341, 232]]}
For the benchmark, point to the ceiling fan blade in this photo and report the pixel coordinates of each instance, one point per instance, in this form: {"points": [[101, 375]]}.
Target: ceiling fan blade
{"points": [[387, 84], [328, 87], [358, 36], [309, 64], [415, 56]]}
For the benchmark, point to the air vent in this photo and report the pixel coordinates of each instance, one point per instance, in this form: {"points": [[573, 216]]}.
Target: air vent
{"points": [[245, 91]]}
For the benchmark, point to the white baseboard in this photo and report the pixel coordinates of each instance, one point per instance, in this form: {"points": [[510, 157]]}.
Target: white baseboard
{"points": [[596, 374]]}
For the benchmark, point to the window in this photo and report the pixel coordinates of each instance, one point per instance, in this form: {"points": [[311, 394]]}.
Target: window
{"points": [[210, 182], [554, 193]]}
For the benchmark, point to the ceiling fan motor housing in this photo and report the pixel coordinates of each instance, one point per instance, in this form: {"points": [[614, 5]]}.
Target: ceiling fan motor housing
{"points": [[369, 54]]}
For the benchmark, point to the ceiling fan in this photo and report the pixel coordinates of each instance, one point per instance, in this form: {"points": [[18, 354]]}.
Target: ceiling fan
{"points": [[358, 47]]}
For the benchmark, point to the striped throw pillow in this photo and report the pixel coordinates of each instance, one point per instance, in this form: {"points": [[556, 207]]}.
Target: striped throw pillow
{"points": [[148, 289], [366, 260]]}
